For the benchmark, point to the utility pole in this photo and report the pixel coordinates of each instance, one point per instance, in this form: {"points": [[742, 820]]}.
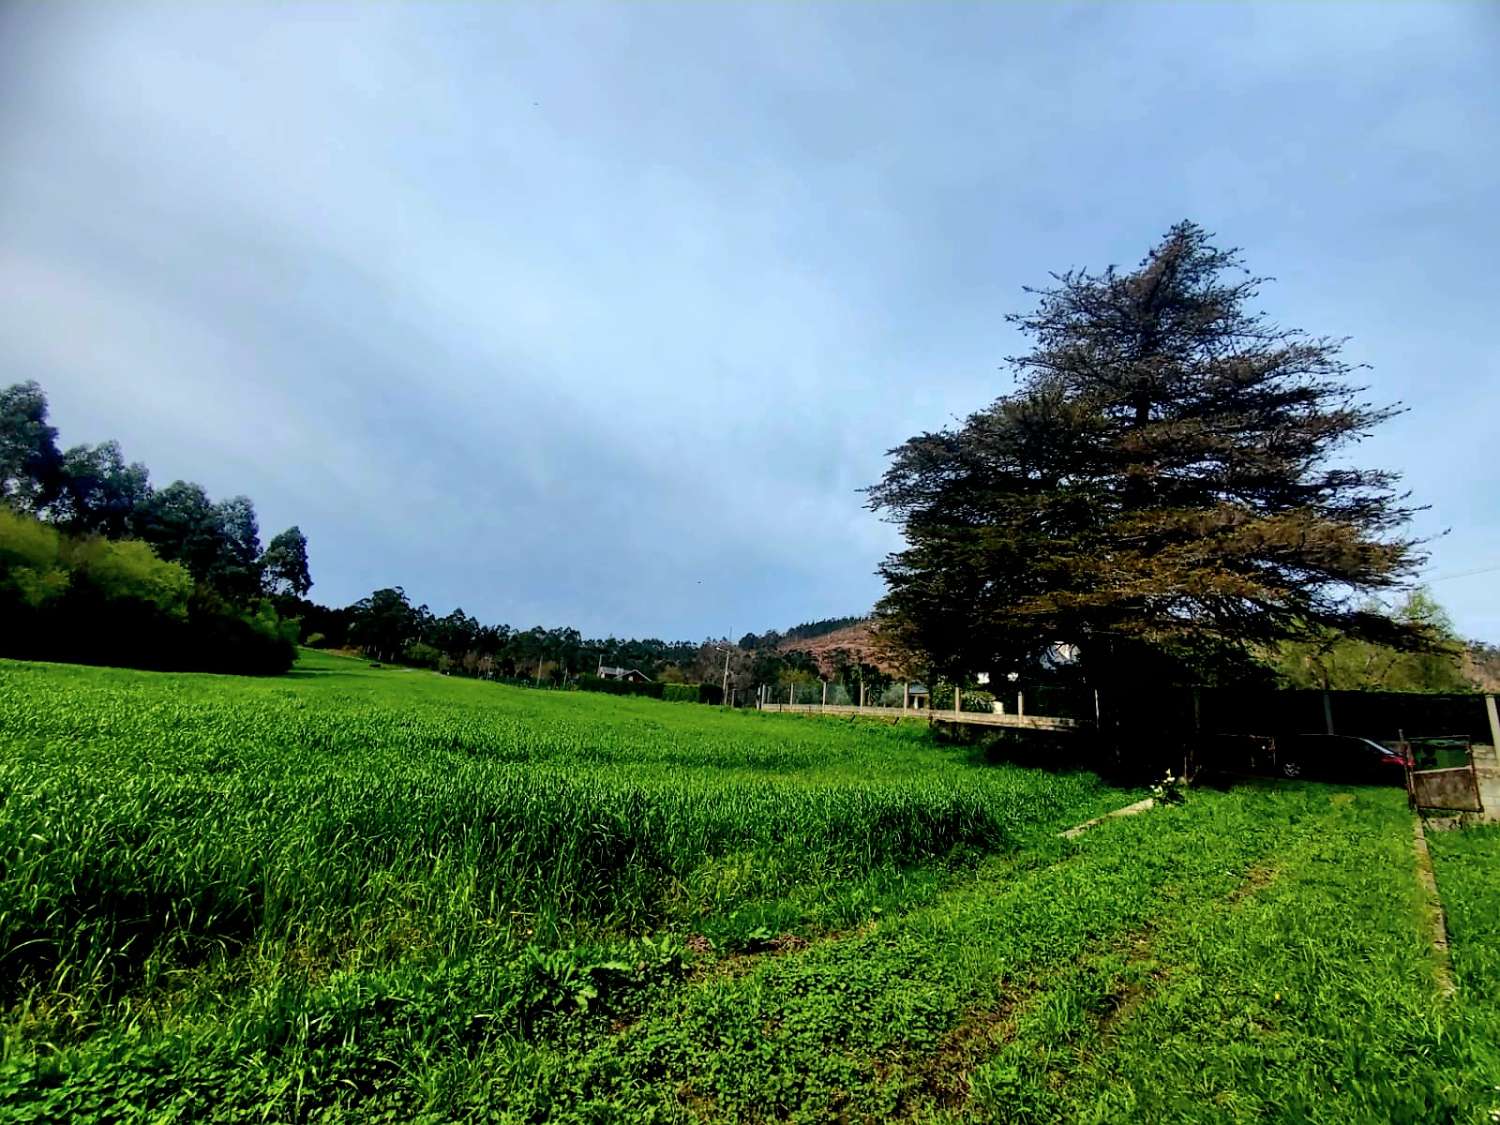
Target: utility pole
{"points": [[725, 694]]}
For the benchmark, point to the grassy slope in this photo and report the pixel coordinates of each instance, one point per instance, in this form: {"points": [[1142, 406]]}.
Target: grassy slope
{"points": [[1254, 955], [191, 855]]}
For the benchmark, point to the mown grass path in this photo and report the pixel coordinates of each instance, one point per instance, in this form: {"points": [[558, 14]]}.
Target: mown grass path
{"points": [[1252, 956]]}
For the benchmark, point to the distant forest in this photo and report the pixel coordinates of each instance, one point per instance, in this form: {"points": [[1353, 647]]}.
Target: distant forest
{"points": [[387, 626], [97, 565]]}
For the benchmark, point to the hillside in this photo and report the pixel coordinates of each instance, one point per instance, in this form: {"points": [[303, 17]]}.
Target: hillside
{"points": [[857, 639]]}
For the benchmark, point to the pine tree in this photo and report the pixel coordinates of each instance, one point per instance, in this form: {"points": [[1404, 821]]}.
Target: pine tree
{"points": [[1161, 491]]}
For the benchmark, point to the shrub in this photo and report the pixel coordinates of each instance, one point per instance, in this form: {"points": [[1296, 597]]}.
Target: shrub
{"points": [[315, 640], [31, 568], [621, 687], [692, 693], [101, 601], [128, 568], [421, 655], [973, 699]]}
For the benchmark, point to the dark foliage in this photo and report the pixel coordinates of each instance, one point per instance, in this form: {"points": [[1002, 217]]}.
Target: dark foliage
{"points": [[622, 687], [1160, 492], [185, 589], [91, 601]]}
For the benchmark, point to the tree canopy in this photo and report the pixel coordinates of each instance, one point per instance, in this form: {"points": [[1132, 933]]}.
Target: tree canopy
{"points": [[92, 490], [284, 565], [116, 543], [1336, 662], [1165, 490]]}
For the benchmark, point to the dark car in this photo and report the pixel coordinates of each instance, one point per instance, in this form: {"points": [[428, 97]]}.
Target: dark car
{"points": [[1340, 757], [1234, 755]]}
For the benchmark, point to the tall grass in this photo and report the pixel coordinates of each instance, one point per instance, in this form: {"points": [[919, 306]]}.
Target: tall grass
{"points": [[152, 823]]}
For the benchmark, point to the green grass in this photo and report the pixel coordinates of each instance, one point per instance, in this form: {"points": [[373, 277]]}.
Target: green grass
{"points": [[1467, 865], [387, 895]]}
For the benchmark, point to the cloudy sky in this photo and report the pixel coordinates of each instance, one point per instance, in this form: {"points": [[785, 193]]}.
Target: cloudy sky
{"points": [[601, 315]]}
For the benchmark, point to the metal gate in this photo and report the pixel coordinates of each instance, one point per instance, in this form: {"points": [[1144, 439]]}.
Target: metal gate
{"points": [[1442, 775]]}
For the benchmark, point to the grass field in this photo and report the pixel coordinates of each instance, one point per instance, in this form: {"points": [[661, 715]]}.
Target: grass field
{"points": [[357, 894]]}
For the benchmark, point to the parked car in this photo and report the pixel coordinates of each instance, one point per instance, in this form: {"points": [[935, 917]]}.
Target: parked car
{"points": [[1340, 757], [1233, 755]]}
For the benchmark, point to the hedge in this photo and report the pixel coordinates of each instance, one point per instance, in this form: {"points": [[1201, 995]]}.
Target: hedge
{"points": [[620, 687]]}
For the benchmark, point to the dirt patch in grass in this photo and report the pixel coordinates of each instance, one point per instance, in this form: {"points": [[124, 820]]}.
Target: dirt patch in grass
{"points": [[782, 945], [1259, 877], [945, 1075]]}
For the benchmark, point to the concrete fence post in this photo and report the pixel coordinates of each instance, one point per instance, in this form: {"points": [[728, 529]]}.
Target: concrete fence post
{"points": [[1489, 707], [1328, 712], [958, 698], [1020, 703]]}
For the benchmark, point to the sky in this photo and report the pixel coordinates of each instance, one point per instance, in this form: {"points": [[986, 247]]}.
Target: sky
{"points": [[601, 315]]}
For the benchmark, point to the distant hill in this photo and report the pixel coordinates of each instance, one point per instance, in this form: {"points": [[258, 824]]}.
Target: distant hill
{"points": [[810, 629], [1481, 664], [856, 636]]}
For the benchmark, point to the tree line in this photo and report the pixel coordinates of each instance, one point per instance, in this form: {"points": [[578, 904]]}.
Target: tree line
{"points": [[1165, 497], [99, 566], [387, 626]]}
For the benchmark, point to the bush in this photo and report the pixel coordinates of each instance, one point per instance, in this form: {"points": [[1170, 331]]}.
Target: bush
{"points": [[692, 693], [224, 638], [982, 702], [315, 640], [421, 655], [128, 568], [32, 572], [99, 601], [621, 687]]}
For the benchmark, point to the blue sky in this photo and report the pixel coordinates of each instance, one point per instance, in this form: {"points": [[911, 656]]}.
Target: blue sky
{"points": [[600, 315]]}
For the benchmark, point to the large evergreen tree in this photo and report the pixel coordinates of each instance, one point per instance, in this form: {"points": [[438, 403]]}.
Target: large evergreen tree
{"points": [[1163, 491]]}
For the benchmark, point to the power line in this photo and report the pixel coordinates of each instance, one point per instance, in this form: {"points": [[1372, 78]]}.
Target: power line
{"points": [[1464, 573]]}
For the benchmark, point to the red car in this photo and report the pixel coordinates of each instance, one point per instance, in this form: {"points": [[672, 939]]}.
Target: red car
{"points": [[1340, 757]]}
